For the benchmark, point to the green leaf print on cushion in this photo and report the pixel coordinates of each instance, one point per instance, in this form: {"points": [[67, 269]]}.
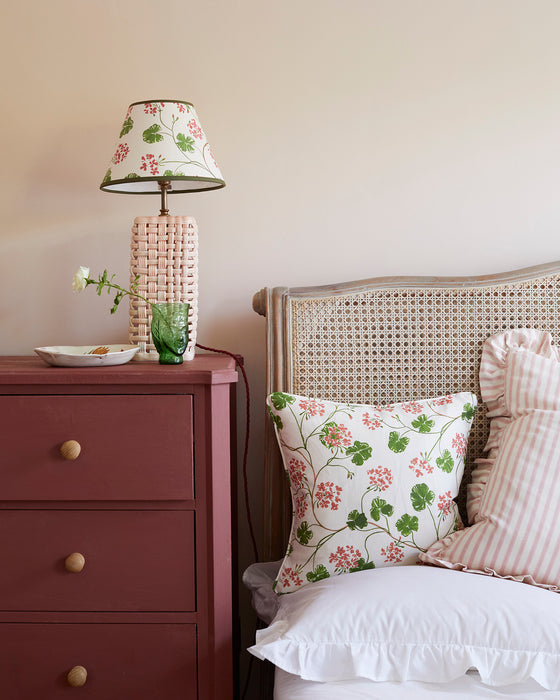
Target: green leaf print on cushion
{"points": [[356, 520], [362, 565], [318, 574], [423, 424], [396, 443], [445, 462], [407, 524], [421, 496], [379, 507], [280, 400], [304, 534], [360, 452]]}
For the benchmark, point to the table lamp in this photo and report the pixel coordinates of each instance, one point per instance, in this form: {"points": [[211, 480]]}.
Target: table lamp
{"points": [[162, 150]]}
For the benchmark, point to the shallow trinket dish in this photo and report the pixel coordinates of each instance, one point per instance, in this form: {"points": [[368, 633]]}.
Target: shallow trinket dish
{"points": [[86, 355]]}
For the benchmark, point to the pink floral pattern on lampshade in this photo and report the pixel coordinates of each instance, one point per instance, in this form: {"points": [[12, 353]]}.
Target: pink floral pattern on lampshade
{"points": [[162, 140]]}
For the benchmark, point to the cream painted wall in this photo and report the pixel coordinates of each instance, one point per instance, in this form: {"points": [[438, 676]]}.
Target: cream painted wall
{"points": [[357, 138]]}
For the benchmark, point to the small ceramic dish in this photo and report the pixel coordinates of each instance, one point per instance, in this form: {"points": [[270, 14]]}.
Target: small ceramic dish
{"points": [[87, 355]]}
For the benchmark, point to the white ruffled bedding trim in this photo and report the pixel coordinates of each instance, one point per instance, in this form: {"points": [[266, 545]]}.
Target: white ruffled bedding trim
{"points": [[380, 661]]}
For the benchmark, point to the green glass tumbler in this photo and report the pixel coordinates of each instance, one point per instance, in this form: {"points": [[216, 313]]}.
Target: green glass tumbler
{"points": [[170, 331]]}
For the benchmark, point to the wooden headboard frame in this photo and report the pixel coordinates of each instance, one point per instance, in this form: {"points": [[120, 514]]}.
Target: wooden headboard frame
{"points": [[386, 340]]}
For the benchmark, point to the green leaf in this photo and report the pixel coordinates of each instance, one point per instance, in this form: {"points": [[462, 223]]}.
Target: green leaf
{"points": [[360, 451], [468, 411], [276, 419], [107, 176], [421, 496], [168, 173], [407, 524], [185, 143], [379, 507], [280, 400], [318, 574], [151, 134], [131, 176], [356, 520], [362, 565], [423, 424], [127, 126], [397, 444], [445, 462], [304, 534]]}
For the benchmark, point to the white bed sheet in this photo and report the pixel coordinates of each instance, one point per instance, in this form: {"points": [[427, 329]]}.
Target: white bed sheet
{"points": [[467, 687]]}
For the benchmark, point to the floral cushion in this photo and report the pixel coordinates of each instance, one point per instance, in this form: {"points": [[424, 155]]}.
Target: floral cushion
{"points": [[513, 499], [371, 485]]}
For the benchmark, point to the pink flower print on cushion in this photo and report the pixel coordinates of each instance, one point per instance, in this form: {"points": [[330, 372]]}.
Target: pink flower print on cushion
{"points": [[412, 407], [459, 444], [345, 558], [334, 436], [289, 577], [380, 478], [372, 422], [296, 472], [443, 401], [310, 407], [444, 503], [301, 502], [121, 153], [393, 553], [327, 495], [420, 467]]}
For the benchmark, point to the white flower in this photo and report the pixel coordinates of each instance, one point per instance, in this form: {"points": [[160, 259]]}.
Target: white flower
{"points": [[79, 282]]}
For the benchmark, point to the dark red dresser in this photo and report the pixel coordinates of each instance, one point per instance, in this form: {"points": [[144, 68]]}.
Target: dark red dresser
{"points": [[115, 531]]}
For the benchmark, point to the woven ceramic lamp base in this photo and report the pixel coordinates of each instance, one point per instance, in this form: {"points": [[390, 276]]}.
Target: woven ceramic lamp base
{"points": [[164, 252]]}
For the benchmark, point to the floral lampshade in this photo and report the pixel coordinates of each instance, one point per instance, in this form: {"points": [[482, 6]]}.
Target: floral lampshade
{"points": [[162, 140]]}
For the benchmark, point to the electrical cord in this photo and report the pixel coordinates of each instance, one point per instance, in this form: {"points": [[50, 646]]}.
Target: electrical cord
{"points": [[239, 364]]}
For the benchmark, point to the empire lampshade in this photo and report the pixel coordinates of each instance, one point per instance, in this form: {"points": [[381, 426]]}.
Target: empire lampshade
{"points": [[162, 140]]}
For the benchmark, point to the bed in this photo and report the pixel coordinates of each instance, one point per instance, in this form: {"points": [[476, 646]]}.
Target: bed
{"points": [[409, 356]]}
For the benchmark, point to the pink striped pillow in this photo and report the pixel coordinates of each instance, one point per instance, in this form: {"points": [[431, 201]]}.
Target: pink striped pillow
{"points": [[515, 491]]}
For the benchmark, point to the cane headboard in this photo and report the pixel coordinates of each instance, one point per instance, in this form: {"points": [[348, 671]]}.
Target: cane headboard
{"points": [[391, 339]]}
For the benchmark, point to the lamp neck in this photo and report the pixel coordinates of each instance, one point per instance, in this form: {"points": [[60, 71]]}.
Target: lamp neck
{"points": [[165, 187]]}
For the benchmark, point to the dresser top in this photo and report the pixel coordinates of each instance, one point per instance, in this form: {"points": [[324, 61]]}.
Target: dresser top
{"points": [[202, 369]]}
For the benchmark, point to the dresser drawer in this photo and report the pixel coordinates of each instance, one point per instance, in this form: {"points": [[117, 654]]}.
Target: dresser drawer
{"points": [[139, 661], [134, 560], [133, 447]]}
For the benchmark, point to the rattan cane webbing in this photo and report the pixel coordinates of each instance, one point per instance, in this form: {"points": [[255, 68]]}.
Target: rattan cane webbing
{"points": [[164, 252], [383, 346]]}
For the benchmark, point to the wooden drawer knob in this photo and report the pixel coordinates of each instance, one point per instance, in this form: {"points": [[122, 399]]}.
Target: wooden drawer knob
{"points": [[74, 563], [77, 676], [70, 449]]}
